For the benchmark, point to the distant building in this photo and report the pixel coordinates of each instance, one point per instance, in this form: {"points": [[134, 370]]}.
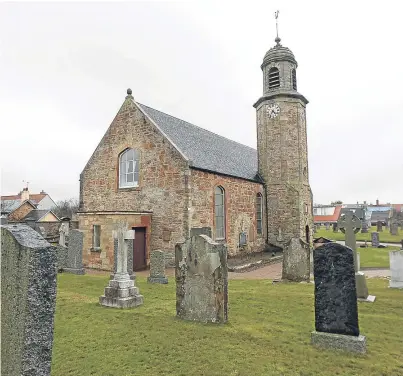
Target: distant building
{"points": [[326, 214]]}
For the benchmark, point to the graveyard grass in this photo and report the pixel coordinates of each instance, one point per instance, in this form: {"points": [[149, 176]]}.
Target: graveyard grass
{"points": [[384, 236], [268, 333]]}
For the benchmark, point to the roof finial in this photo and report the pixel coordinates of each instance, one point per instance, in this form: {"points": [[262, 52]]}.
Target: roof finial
{"points": [[129, 91], [277, 40]]}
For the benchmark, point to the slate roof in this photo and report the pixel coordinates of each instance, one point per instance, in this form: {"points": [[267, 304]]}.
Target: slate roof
{"points": [[35, 215], [207, 150]]}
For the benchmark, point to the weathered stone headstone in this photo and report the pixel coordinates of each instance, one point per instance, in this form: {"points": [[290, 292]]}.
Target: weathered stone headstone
{"points": [[327, 226], [394, 228], [157, 268], [28, 298], [375, 239], [336, 313], [379, 226], [296, 264], [201, 275], [364, 228], [350, 224], [335, 228], [63, 233], [396, 269], [315, 229], [121, 291], [74, 261], [61, 255]]}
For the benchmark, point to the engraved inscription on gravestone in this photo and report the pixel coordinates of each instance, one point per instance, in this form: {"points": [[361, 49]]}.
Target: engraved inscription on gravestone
{"points": [[157, 268]]}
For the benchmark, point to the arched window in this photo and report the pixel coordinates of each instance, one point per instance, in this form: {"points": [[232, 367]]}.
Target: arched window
{"points": [[259, 213], [274, 78], [219, 212], [294, 79], [129, 169]]}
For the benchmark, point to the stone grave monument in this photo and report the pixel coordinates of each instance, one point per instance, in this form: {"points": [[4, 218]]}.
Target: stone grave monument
{"points": [[157, 268], [364, 228], [396, 269], [327, 226], [201, 275], [336, 312], [379, 226], [296, 264], [28, 299], [130, 265], [335, 228], [394, 228], [121, 291], [350, 224], [74, 260], [63, 233], [375, 239]]}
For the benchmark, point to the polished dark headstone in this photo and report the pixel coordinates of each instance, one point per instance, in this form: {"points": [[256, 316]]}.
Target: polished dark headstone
{"points": [[335, 290]]}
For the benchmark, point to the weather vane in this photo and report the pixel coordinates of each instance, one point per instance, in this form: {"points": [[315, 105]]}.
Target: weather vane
{"points": [[24, 181], [277, 40]]}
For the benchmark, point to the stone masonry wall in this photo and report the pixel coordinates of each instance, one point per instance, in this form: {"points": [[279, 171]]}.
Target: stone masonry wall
{"points": [[283, 164], [104, 259], [240, 200], [163, 182]]}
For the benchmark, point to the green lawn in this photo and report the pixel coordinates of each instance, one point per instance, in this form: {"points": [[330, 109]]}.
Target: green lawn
{"points": [[268, 333], [375, 257], [384, 236]]}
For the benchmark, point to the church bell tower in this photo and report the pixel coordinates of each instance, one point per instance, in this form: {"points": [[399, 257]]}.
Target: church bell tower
{"points": [[283, 150]]}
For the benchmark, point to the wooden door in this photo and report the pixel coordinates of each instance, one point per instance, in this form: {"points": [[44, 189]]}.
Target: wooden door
{"points": [[139, 248]]}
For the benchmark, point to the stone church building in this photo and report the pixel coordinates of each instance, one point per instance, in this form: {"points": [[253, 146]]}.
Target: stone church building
{"points": [[166, 177]]}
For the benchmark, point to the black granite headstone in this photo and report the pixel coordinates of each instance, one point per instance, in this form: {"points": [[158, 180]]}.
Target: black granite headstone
{"points": [[335, 290]]}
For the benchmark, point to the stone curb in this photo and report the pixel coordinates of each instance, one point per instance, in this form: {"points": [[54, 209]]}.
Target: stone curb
{"points": [[259, 263]]}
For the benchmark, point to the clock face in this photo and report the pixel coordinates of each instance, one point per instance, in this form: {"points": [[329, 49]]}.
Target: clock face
{"points": [[273, 110]]}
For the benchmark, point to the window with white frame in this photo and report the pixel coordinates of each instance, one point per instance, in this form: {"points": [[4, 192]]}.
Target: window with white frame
{"points": [[129, 169], [259, 213], [219, 212]]}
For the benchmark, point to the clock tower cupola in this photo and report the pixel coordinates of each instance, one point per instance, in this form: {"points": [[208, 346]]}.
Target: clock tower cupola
{"points": [[283, 150]]}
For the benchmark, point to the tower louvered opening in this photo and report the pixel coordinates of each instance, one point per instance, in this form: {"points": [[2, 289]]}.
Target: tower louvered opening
{"points": [[274, 78], [294, 79]]}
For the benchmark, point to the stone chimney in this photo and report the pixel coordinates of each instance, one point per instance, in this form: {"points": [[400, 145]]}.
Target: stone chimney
{"points": [[24, 195], [377, 202]]}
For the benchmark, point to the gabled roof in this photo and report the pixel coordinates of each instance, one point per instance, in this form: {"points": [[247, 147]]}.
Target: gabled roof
{"points": [[36, 215], [328, 218], [15, 204], [35, 198], [206, 150]]}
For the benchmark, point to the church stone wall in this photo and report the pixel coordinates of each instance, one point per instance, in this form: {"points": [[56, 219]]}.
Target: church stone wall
{"points": [[163, 184], [240, 200]]}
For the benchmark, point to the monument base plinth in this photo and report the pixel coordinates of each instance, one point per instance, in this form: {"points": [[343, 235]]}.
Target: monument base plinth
{"points": [[339, 342], [396, 284], [121, 294], [162, 280], [79, 271]]}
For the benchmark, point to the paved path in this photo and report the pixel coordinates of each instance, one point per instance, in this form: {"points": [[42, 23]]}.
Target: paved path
{"points": [[369, 243]]}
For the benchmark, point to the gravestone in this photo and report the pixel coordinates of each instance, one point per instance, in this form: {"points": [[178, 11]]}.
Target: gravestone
{"points": [[130, 246], [28, 298], [74, 261], [336, 312], [350, 224], [201, 275], [396, 269], [335, 228], [296, 264], [375, 239], [327, 225], [121, 291], [157, 268], [394, 228], [61, 256], [364, 228], [379, 226], [63, 233], [315, 229]]}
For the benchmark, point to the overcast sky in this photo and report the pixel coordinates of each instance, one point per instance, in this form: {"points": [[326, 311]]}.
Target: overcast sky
{"points": [[65, 68]]}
